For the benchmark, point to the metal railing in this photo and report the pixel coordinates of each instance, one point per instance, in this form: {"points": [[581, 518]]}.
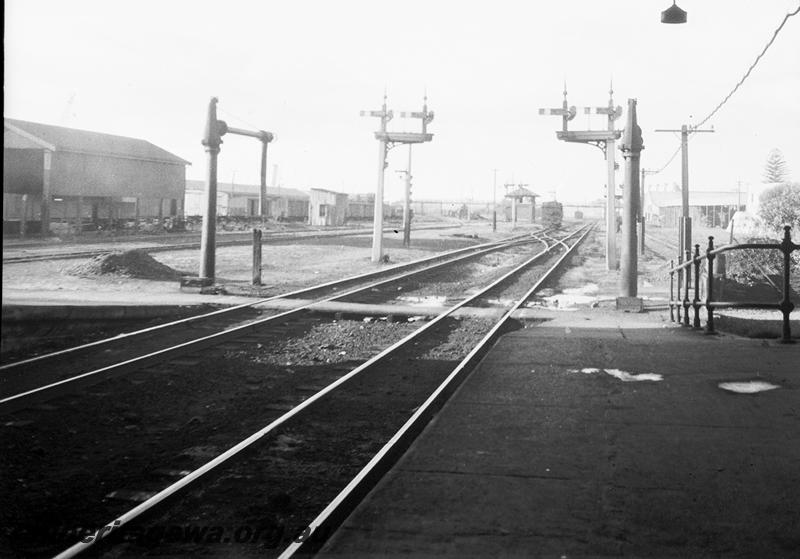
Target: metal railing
{"points": [[688, 280]]}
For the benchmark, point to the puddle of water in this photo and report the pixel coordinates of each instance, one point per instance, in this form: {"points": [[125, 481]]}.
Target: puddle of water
{"points": [[571, 297], [749, 387], [427, 300], [624, 376]]}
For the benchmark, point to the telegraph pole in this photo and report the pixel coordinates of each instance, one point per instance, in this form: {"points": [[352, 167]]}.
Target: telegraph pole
{"points": [[386, 141], [685, 226]]}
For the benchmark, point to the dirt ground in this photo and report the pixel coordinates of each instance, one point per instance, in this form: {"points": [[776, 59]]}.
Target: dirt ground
{"points": [[285, 266]]}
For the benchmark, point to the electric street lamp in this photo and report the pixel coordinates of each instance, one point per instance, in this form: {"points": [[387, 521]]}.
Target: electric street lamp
{"points": [[673, 14]]}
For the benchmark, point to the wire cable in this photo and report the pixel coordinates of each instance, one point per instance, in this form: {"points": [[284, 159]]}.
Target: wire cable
{"points": [[665, 165], [752, 66], [238, 118], [727, 97]]}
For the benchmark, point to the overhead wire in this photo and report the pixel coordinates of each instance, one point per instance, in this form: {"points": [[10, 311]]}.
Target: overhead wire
{"points": [[736, 87], [750, 69], [240, 119]]}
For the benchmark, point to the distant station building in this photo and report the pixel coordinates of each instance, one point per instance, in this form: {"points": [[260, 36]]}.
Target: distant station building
{"points": [[241, 200], [326, 207], [61, 179], [523, 203], [706, 208]]}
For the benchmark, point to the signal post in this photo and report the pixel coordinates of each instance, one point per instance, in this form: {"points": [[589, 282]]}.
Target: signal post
{"points": [[605, 140], [386, 141]]}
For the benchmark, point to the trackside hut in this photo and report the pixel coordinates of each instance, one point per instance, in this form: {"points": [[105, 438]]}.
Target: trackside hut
{"points": [[241, 200], [53, 174], [326, 207]]}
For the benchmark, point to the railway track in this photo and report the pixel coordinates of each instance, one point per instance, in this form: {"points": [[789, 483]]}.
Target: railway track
{"points": [[149, 246], [353, 387], [38, 378]]}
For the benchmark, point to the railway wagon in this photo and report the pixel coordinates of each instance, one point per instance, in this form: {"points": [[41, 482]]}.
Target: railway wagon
{"points": [[552, 214]]}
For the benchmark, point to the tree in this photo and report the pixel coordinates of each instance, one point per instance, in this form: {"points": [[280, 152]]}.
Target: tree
{"points": [[775, 168], [780, 205]]}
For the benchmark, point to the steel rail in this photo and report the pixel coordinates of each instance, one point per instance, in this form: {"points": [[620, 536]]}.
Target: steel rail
{"points": [[275, 236], [170, 490], [347, 499], [14, 402], [359, 277]]}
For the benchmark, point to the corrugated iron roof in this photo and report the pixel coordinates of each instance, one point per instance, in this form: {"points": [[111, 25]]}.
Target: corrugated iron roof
{"points": [[247, 189], [95, 143]]}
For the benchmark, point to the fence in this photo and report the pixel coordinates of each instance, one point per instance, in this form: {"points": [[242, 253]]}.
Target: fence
{"points": [[688, 278]]}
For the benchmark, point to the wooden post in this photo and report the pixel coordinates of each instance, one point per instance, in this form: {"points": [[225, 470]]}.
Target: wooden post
{"points": [[46, 193], [256, 256], [136, 216], [23, 221], [160, 213], [78, 215]]}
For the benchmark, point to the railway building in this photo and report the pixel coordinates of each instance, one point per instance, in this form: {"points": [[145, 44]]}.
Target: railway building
{"points": [[326, 207], [519, 206], [708, 208], [58, 179], [241, 200]]}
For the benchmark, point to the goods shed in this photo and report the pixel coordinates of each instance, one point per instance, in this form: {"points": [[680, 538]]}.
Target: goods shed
{"points": [[61, 179]]}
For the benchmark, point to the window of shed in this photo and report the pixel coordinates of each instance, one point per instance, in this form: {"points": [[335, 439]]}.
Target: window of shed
{"points": [[323, 210]]}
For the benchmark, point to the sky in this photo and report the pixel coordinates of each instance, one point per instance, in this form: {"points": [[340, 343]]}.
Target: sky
{"points": [[304, 69]]}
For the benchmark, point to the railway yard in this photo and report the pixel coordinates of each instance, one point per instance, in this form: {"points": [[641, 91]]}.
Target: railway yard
{"points": [[555, 314], [253, 421]]}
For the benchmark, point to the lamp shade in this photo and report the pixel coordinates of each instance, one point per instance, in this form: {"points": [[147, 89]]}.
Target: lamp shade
{"points": [[673, 14]]}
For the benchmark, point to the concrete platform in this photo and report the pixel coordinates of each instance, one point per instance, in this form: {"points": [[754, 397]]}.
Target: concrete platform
{"points": [[536, 457]]}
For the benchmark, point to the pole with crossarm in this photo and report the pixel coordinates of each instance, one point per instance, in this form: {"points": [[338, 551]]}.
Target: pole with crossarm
{"points": [[387, 140], [685, 225], [605, 140], [377, 222]]}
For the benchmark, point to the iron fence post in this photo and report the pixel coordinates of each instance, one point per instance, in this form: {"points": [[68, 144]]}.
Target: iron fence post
{"points": [[696, 302], [687, 284], [786, 304], [671, 291], [678, 302], [710, 287]]}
